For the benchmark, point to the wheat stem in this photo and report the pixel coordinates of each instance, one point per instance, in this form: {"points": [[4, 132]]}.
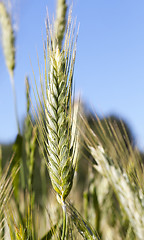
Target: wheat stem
{"points": [[15, 101], [64, 221]]}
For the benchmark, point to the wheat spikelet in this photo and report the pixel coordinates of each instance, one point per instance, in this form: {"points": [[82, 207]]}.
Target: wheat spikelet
{"points": [[8, 39]]}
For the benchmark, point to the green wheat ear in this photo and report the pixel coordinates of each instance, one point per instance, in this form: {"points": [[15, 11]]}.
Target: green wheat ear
{"points": [[57, 122], [61, 144], [8, 39], [58, 129], [114, 160], [8, 44]]}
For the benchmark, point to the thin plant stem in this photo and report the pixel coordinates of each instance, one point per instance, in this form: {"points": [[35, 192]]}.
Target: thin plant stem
{"points": [[3, 226], [15, 102], [64, 222]]}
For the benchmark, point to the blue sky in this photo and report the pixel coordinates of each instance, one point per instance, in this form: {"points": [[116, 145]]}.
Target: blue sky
{"points": [[109, 72]]}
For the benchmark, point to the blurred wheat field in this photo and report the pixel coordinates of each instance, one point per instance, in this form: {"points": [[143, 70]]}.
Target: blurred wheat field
{"points": [[69, 174]]}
